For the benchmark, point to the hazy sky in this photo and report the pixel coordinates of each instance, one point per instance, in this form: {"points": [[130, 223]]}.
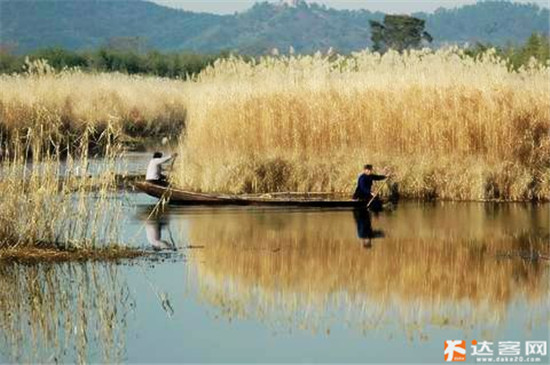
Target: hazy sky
{"points": [[388, 6]]}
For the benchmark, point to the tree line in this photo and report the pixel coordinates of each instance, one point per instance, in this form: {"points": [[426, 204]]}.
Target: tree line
{"points": [[404, 32], [536, 47], [108, 59], [132, 60]]}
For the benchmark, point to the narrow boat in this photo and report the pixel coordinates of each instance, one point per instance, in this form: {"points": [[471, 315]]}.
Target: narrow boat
{"points": [[181, 197]]}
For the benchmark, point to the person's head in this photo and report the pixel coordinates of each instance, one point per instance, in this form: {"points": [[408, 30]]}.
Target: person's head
{"points": [[157, 155], [367, 169]]}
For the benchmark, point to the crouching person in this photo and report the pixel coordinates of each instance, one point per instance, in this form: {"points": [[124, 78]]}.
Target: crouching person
{"points": [[154, 169]]}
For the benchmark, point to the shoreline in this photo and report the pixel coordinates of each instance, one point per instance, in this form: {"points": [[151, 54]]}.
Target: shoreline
{"points": [[32, 255]]}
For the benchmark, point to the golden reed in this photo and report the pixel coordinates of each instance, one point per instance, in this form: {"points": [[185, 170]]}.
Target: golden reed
{"points": [[70, 102], [447, 125], [53, 199]]}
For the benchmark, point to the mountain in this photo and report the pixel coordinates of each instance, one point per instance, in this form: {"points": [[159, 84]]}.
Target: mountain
{"points": [[496, 22], [81, 24]]}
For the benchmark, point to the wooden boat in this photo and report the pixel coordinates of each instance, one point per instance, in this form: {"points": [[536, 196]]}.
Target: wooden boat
{"points": [[181, 197]]}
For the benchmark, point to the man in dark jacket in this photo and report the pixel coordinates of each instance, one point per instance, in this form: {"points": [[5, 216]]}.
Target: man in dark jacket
{"points": [[364, 184]]}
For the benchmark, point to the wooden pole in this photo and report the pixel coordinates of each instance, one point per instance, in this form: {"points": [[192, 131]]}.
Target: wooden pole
{"points": [[388, 175], [375, 195], [171, 169], [172, 163]]}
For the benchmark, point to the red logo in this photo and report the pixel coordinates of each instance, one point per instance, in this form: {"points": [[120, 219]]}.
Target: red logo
{"points": [[455, 350]]}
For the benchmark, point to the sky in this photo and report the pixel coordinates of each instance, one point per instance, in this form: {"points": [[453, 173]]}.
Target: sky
{"points": [[387, 6]]}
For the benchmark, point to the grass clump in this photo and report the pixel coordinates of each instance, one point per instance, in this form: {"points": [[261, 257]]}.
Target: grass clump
{"points": [[449, 126]]}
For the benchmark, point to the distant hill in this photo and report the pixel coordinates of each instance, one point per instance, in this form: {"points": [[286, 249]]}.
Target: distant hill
{"points": [[81, 24]]}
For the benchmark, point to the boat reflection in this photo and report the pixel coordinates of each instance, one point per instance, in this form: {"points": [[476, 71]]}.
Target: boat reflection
{"points": [[305, 269]]}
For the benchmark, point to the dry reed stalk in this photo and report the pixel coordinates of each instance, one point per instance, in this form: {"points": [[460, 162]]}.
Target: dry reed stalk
{"points": [[52, 203]]}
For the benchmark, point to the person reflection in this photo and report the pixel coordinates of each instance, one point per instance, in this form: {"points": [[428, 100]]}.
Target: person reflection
{"points": [[153, 230], [364, 227]]}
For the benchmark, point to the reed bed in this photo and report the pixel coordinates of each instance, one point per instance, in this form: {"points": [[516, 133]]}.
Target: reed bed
{"points": [[310, 271], [71, 312], [54, 201], [448, 126], [68, 103]]}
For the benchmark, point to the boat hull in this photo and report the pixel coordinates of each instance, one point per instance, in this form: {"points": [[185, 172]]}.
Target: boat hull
{"points": [[182, 197]]}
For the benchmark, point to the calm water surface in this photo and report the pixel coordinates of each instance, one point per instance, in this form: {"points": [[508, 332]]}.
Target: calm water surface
{"points": [[289, 285]]}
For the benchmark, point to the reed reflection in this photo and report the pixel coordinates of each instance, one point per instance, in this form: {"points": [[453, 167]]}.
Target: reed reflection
{"points": [[306, 268], [72, 312]]}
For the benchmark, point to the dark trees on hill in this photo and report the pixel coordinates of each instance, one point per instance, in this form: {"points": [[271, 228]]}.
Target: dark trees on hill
{"points": [[398, 32]]}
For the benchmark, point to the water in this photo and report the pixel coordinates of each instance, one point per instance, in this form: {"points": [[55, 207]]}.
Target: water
{"points": [[290, 285]]}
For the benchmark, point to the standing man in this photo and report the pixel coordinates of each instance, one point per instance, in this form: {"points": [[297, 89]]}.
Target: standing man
{"points": [[364, 184], [154, 169]]}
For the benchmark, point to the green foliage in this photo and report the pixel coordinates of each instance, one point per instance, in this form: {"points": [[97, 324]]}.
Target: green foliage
{"points": [[9, 63], [109, 59], [398, 32], [59, 58], [182, 65], [537, 47]]}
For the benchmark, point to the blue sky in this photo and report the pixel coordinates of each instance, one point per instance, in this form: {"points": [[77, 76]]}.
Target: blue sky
{"points": [[389, 6]]}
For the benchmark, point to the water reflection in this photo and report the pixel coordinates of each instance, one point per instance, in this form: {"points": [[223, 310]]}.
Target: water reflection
{"points": [[153, 229], [63, 313], [428, 268], [366, 234], [155, 222], [435, 272]]}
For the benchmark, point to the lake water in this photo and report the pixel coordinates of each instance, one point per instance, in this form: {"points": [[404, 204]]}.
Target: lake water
{"points": [[290, 285]]}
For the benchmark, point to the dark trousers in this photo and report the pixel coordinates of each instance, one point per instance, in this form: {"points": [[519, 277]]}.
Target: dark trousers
{"points": [[160, 182]]}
